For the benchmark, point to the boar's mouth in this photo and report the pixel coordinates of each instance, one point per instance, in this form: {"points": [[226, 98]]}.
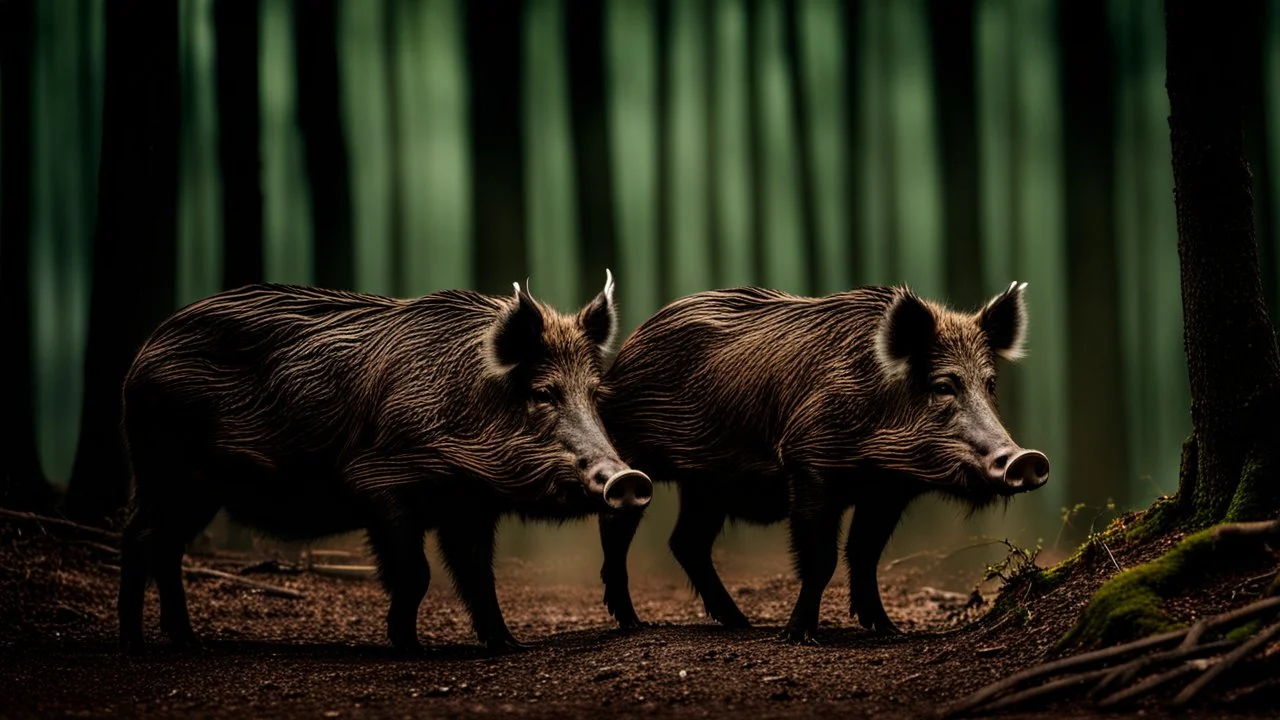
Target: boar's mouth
{"points": [[1025, 471]]}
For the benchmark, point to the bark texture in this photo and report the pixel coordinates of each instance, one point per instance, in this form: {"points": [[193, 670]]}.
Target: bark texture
{"points": [[1232, 359], [134, 240]]}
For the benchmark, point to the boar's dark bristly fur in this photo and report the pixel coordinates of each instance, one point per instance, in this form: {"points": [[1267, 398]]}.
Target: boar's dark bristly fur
{"points": [[762, 405], [307, 412]]}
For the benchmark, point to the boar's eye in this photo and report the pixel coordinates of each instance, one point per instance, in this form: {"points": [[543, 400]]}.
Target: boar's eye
{"points": [[991, 386], [543, 396], [944, 386]]}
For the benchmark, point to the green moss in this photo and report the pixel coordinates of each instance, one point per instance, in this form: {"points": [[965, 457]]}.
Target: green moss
{"points": [[1256, 495], [1245, 631], [1129, 605], [1164, 516]]}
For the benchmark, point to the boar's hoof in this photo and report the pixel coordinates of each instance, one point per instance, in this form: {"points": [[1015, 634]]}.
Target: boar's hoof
{"points": [[628, 489], [798, 636], [505, 645]]}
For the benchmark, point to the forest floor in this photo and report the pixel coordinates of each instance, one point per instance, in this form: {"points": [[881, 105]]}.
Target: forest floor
{"points": [[324, 654]]}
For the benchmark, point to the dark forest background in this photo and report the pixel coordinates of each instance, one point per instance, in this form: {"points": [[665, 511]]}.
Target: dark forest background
{"points": [[406, 146]]}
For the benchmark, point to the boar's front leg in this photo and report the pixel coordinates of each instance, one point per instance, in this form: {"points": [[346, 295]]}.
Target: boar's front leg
{"points": [[467, 544], [616, 533], [699, 522], [872, 523], [815, 527], [396, 541]]}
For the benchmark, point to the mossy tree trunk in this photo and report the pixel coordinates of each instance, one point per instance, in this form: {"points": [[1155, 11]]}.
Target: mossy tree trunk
{"points": [[135, 237], [236, 27], [1232, 359]]}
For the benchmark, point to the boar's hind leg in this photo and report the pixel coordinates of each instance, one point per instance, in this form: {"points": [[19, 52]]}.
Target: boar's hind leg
{"points": [[135, 570], [616, 532], [396, 542], [177, 526], [699, 522], [815, 527], [467, 546], [869, 531]]}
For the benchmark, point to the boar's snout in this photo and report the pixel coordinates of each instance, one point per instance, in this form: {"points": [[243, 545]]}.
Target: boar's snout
{"points": [[1019, 471], [625, 488]]}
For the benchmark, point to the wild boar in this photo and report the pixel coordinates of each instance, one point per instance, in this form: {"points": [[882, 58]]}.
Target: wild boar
{"points": [[307, 412], [760, 405]]}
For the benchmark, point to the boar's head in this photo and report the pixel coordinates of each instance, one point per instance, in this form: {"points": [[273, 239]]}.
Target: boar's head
{"points": [[553, 364], [940, 366]]}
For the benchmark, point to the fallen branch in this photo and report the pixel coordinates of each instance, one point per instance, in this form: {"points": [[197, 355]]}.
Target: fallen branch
{"points": [[345, 571], [1262, 528], [1229, 661], [1130, 670], [267, 589], [984, 695], [59, 522]]}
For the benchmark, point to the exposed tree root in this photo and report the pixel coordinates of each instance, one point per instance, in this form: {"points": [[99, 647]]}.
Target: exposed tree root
{"points": [[1082, 670]]}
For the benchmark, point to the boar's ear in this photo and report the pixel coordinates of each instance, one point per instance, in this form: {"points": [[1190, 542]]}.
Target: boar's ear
{"points": [[1004, 321], [599, 318], [906, 333], [516, 337]]}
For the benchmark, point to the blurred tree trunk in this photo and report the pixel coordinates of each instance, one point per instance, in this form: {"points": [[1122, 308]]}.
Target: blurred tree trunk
{"points": [[800, 111], [755, 140], [135, 239], [25, 485], [662, 98], [851, 28], [589, 118], [1232, 471], [494, 32], [320, 117], [1097, 439], [236, 27], [951, 27]]}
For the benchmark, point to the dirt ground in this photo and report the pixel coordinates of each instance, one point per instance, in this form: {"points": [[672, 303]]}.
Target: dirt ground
{"points": [[325, 655]]}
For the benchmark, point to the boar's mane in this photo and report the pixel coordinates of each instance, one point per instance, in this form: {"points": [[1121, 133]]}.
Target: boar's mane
{"points": [[796, 381], [383, 391]]}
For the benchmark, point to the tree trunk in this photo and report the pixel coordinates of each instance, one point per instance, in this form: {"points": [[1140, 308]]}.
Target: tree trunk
{"points": [[1232, 359], [1097, 438], [320, 117], [662, 97], [589, 117], [851, 25], [236, 27], [951, 26], [494, 33], [134, 241], [25, 485]]}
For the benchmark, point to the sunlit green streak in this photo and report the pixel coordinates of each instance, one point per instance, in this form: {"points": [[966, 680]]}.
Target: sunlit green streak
{"points": [[288, 254], [733, 169], [435, 181], [822, 51], [1131, 271], [66, 120], [631, 93], [875, 233], [199, 271], [917, 198], [783, 250], [366, 126], [549, 176], [689, 241], [1172, 410], [994, 58], [1040, 233]]}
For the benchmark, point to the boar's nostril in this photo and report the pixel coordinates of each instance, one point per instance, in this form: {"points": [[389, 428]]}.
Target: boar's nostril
{"points": [[1028, 470]]}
